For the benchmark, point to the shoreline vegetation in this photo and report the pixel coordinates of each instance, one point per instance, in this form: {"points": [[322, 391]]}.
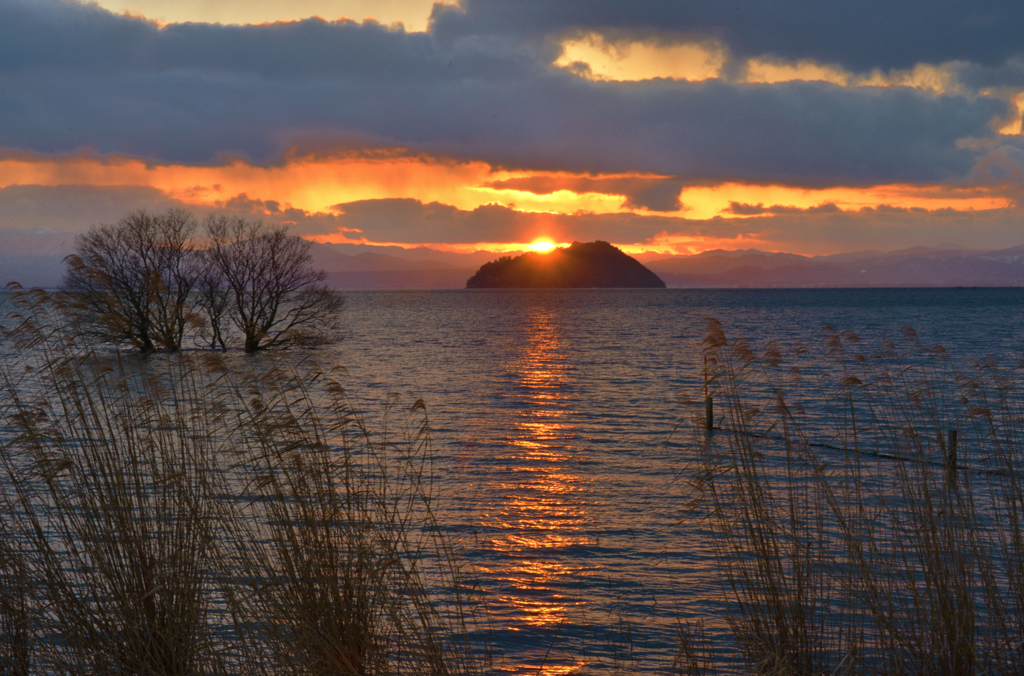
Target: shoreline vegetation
{"points": [[202, 513], [193, 514], [865, 508], [151, 281]]}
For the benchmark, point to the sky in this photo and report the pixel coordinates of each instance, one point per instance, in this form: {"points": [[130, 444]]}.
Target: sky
{"points": [[678, 127]]}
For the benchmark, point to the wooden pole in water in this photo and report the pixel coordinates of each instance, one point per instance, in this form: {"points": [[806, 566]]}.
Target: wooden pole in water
{"points": [[951, 454]]}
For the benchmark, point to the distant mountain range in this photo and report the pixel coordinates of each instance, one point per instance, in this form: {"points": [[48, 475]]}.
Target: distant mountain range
{"points": [[918, 266], [35, 258]]}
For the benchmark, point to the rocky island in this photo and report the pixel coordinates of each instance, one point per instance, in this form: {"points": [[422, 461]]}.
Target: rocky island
{"points": [[580, 266]]}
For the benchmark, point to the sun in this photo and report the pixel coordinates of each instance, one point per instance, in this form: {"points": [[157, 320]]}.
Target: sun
{"points": [[542, 246]]}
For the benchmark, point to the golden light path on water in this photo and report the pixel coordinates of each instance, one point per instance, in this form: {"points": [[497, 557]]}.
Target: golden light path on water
{"points": [[551, 414], [545, 503]]}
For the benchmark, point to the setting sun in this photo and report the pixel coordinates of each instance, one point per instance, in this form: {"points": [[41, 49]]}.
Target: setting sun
{"points": [[542, 246]]}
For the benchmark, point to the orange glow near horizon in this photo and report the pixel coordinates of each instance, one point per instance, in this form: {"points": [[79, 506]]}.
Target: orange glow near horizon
{"points": [[543, 246], [671, 245], [312, 184], [666, 244], [315, 184], [472, 247], [705, 202]]}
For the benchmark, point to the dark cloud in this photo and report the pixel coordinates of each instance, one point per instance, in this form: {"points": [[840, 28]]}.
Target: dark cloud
{"points": [[977, 77], [655, 194], [73, 76], [410, 221], [821, 229], [884, 228], [65, 36], [744, 209], [759, 209], [74, 208], [860, 35], [1002, 162], [71, 208], [660, 196]]}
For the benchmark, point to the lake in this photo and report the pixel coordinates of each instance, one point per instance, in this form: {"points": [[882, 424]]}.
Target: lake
{"points": [[550, 412]]}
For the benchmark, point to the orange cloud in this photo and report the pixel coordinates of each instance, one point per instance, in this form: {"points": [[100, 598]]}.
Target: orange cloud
{"points": [[414, 14], [315, 186], [693, 244], [935, 79], [632, 61], [705, 202], [1013, 124], [311, 183]]}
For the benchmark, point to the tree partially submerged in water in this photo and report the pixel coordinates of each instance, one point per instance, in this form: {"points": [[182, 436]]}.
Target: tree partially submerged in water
{"points": [[132, 281], [199, 515], [147, 281], [274, 294]]}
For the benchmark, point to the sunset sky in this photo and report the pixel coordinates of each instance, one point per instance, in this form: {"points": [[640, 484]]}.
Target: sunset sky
{"points": [[792, 125]]}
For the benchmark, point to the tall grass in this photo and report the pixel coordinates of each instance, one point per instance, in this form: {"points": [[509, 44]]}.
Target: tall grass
{"points": [[198, 515], [849, 538]]}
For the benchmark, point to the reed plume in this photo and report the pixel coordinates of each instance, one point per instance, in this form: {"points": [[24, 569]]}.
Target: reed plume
{"points": [[864, 505], [182, 515]]}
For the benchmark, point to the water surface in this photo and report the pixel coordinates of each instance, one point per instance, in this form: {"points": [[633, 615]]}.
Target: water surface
{"points": [[550, 411]]}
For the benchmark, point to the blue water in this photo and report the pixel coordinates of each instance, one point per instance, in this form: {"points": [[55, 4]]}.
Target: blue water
{"points": [[550, 411]]}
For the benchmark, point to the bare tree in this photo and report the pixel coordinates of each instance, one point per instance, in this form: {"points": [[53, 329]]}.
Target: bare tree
{"points": [[276, 297], [214, 299], [133, 280]]}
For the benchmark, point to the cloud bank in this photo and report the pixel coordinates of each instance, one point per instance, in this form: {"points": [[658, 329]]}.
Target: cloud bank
{"points": [[74, 76], [483, 87], [856, 34]]}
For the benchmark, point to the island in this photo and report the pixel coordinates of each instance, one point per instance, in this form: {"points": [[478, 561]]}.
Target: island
{"points": [[580, 266]]}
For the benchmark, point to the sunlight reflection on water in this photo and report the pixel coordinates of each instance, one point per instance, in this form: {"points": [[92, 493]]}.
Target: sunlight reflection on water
{"points": [[550, 411], [544, 505]]}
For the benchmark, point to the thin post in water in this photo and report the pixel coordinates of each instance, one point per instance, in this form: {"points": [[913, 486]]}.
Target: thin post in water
{"points": [[951, 454]]}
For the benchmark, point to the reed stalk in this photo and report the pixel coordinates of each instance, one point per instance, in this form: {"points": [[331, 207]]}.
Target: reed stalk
{"points": [[848, 540], [186, 515]]}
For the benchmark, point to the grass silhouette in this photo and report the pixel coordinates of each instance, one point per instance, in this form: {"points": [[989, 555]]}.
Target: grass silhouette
{"points": [[851, 538], [219, 514], [183, 514]]}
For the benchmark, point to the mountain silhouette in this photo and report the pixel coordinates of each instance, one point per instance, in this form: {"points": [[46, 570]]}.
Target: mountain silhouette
{"points": [[580, 266]]}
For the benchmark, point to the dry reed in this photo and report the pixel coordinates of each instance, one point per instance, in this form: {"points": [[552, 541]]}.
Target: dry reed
{"points": [[181, 515], [853, 537]]}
